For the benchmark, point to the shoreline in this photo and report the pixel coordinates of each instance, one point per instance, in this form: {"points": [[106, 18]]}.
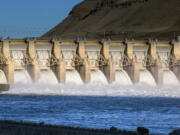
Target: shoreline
{"points": [[8, 127]]}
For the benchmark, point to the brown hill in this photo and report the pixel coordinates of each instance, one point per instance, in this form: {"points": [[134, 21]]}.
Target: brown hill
{"points": [[120, 19]]}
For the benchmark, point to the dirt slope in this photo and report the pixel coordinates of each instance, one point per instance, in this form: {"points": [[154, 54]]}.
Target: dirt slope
{"points": [[120, 19]]}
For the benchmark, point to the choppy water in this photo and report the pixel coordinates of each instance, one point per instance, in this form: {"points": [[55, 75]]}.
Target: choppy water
{"points": [[157, 108]]}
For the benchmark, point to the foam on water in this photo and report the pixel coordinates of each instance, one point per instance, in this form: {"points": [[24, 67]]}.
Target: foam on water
{"points": [[170, 78], [73, 77], [122, 78], [22, 76], [47, 77], [3, 79], [146, 77], [97, 89], [48, 85], [97, 76]]}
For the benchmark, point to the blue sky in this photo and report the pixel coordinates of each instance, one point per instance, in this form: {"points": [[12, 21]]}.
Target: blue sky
{"points": [[24, 18]]}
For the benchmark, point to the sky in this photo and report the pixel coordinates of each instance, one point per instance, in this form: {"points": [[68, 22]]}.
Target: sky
{"points": [[31, 18]]}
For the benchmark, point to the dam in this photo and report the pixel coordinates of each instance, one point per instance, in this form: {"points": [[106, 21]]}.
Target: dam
{"points": [[89, 61]]}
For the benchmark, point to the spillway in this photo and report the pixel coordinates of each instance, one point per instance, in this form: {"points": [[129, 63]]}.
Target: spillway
{"points": [[3, 79], [98, 76], [48, 77], [93, 59], [146, 77], [72, 76], [169, 78], [22, 76], [122, 78]]}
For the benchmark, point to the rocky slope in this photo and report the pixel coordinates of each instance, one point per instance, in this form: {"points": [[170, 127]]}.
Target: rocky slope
{"points": [[120, 19]]}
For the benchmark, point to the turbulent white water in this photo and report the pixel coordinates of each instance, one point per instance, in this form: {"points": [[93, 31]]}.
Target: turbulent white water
{"points": [[146, 77], [47, 77], [22, 76], [138, 90], [170, 78], [48, 85], [122, 78], [97, 76], [73, 77], [3, 79]]}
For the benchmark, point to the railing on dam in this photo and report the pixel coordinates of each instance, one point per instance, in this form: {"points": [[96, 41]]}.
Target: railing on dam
{"points": [[115, 61]]}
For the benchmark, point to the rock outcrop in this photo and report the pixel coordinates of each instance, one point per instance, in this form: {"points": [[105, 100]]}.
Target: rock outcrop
{"points": [[4, 87], [175, 132], [142, 131]]}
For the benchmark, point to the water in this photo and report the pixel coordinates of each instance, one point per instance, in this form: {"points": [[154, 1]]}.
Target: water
{"points": [[122, 78], [169, 78], [97, 89], [94, 105], [160, 115], [3, 79], [22, 76], [73, 77], [146, 77], [47, 77], [97, 76]]}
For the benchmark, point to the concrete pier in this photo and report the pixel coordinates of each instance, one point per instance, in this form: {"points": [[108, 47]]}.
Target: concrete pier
{"points": [[175, 61], [109, 67], [8, 66], [33, 67], [58, 64]]}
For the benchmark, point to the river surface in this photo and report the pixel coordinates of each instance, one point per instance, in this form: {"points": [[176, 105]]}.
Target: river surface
{"points": [[123, 110]]}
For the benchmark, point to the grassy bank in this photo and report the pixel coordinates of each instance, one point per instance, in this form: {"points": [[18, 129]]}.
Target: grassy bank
{"points": [[27, 128]]}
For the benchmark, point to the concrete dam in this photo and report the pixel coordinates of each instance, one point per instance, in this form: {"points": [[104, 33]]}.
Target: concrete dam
{"points": [[124, 62]]}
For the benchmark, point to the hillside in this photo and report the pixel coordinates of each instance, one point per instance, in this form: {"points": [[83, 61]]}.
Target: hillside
{"points": [[120, 19]]}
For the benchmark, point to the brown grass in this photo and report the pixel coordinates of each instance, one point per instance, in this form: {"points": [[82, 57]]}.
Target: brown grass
{"points": [[138, 19]]}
